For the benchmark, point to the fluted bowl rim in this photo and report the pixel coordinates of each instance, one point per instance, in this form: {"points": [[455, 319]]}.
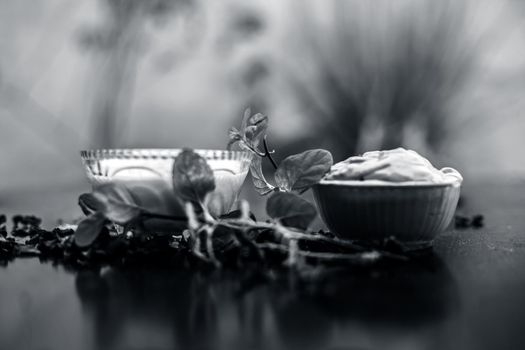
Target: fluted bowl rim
{"points": [[162, 153]]}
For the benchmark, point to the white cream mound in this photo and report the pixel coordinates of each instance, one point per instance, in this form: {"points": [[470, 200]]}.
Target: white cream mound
{"points": [[393, 166]]}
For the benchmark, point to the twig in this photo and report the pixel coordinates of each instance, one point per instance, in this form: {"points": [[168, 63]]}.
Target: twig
{"points": [[209, 245], [293, 252], [240, 226], [291, 233], [361, 256]]}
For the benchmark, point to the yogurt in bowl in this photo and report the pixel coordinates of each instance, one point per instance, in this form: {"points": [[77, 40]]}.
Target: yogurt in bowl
{"points": [[388, 193]]}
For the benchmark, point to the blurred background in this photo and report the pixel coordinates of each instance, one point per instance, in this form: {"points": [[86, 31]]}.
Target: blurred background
{"points": [[446, 78]]}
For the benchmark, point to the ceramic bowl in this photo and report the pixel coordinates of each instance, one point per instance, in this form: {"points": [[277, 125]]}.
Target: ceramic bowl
{"points": [[412, 212], [147, 174]]}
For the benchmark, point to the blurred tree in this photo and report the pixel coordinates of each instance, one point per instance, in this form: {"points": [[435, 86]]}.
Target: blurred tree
{"points": [[377, 64], [119, 41], [245, 27]]}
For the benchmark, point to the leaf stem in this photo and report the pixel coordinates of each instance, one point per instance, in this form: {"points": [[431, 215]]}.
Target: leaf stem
{"points": [[355, 257], [209, 245], [294, 234], [268, 153], [241, 226], [238, 224], [253, 149]]}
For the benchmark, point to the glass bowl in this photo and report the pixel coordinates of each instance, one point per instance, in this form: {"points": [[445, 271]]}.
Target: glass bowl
{"points": [[147, 174]]}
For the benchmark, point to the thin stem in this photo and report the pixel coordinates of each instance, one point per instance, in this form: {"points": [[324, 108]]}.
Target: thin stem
{"points": [[240, 226], [268, 153], [292, 234], [197, 253], [293, 252], [209, 245], [361, 257], [259, 153]]}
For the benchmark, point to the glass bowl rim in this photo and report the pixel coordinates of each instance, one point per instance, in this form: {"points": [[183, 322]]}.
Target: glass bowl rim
{"points": [[160, 153]]}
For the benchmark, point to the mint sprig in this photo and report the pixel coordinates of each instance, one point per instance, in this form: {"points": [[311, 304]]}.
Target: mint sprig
{"points": [[248, 137], [296, 173], [193, 181]]}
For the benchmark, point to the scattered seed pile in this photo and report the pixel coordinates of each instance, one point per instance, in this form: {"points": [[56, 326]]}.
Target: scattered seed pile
{"points": [[27, 239]]}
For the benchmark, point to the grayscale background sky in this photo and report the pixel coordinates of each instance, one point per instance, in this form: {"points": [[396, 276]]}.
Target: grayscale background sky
{"points": [[446, 78]]}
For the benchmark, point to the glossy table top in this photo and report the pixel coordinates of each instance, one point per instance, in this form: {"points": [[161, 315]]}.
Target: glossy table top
{"points": [[470, 294]]}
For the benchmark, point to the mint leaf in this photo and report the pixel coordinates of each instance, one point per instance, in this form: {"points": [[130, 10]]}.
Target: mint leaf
{"points": [[291, 210], [89, 229], [256, 127], [234, 136], [116, 203], [253, 128], [192, 177], [300, 171], [259, 181], [89, 204]]}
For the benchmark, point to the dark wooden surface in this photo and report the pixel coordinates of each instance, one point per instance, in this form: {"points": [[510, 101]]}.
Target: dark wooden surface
{"points": [[470, 296]]}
